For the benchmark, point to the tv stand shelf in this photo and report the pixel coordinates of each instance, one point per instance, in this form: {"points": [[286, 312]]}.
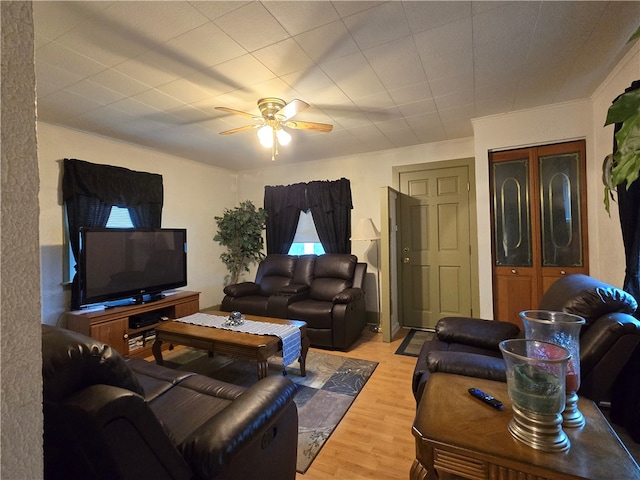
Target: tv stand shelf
{"points": [[111, 325]]}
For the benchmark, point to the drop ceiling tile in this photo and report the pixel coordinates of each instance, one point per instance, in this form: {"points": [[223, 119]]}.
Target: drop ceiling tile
{"points": [[185, 91], [429, 15], [396, 63], [252, 26], [145, 70], [411, 93], [97, 92], [511, 23], [56, 18], [297, 17], [354, 76], [245, 70], [70, 103], [203, 47], [56, 78], [160, 99], [417, 108], [378, 25], [119, 82], [453, 84], [96, 41], [68, 60], [151, 23], [284, 57], [217, 9], [328, 42], [349, 8], [447, 40]]}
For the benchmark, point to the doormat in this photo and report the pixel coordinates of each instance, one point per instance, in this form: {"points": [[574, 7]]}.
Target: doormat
{"points": [[323, 397], [412, 343]]}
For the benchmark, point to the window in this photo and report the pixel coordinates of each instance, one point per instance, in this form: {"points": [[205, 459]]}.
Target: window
{"points": [[306, 240], [118, 218]]}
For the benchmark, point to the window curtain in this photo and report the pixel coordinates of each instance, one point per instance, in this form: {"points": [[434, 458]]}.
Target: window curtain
{"points": [[90, 190], [330, 204], [629, 211], [283, 205]]}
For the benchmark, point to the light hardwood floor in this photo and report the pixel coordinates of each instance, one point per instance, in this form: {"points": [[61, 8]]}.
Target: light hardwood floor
{"points": [[373, 441]]}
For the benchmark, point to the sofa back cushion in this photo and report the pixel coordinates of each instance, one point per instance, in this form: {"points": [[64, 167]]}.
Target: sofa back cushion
{"points": [[72, 361], [588, 297], [332, 274], [274, 272]]}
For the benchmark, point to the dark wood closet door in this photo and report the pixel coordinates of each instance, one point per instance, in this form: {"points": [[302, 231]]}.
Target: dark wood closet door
{"points": [[539, 229]]}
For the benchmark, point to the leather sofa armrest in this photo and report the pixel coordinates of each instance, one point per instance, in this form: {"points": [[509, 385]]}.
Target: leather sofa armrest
{"points": [[293, 289], [106, 430], [348, 295], [216, 443], [242, 289], [602, 335], [467, 364], [476, 332]]}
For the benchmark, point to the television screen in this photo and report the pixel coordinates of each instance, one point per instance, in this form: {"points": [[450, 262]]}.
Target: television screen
{"points": [[127, 263]]}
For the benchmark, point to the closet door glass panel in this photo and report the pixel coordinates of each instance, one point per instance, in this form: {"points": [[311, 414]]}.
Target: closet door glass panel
{"points": [[560, 213], [512, 224]]}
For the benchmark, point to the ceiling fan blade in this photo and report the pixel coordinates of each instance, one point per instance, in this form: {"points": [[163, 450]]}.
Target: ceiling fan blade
{"points": [[318, 127], [291, 109], [239, 129], [238, 112]]}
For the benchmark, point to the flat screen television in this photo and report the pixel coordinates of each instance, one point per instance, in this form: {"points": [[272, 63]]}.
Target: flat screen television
{"points": [[136, 264]]}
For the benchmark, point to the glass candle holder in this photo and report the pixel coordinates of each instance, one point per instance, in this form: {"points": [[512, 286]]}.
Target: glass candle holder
{"points": [[562, 329], [536, 373]]}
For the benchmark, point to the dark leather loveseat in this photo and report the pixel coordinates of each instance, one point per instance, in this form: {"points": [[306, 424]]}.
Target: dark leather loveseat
{"points": [[107, 418], [323, 290], [469, 346]]}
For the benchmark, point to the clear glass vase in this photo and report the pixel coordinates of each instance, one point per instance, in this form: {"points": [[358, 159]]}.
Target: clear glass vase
{"points": [[563, 329], [536, 373]]}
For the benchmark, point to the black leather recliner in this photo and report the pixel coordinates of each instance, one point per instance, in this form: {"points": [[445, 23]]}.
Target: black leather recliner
{"points": [[107, 418], [469, 346]]}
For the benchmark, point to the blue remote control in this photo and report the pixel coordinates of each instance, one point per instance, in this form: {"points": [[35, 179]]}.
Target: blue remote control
{"points": [[486, 398]]}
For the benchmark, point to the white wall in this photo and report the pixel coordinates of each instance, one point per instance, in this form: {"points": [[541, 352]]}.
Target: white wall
{"points": [[194, 193]]}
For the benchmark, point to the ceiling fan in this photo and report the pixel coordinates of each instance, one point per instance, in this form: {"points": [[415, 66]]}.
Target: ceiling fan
{"points": [[276, 115]]}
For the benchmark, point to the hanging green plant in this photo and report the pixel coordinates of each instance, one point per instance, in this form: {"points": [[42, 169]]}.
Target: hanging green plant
{"points": [[624, 165], [240, 231]]}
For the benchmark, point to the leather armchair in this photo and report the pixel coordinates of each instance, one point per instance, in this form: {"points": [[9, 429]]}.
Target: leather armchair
{"points": [[469, 346], [107, 418]]}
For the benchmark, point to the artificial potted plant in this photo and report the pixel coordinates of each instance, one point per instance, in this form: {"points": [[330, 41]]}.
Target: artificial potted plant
{"points": [[240, 231], [623, 166]]}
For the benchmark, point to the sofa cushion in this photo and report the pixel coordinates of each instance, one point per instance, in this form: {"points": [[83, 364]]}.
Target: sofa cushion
{"points": [[324, 289], [335, 265], [274, 272]]}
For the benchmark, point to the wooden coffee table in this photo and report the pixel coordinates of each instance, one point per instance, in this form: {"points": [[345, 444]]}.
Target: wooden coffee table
{"points": [[247, 346], [458, 436]]}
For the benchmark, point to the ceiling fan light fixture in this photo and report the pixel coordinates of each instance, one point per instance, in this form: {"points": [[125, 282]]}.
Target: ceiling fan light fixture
{"points": [[284, 138], [265, 136]]}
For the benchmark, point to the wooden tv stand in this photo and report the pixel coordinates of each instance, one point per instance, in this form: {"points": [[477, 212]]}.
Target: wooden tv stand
{"points": [[111, 325]]}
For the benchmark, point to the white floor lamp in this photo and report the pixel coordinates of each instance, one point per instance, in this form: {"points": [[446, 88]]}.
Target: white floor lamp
{"points": [[366, 230]]}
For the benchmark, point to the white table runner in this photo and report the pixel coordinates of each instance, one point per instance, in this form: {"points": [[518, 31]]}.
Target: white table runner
{"points": [[289, 334]]}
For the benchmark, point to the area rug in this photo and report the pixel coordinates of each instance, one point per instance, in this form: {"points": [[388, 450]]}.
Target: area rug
{"points": [[412, 343], [323, 396]]}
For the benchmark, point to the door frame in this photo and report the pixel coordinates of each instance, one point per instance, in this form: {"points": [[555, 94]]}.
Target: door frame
{"points": [[473, 235]]}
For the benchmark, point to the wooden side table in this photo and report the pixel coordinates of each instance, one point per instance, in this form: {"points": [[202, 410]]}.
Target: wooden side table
{"points": [[459, 436]]}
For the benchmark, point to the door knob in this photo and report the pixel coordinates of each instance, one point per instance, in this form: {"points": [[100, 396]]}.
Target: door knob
{"points": [[406, 260]]}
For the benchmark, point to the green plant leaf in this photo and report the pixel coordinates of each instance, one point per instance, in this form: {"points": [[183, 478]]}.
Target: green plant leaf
{"points": [[627, 105], [635, 36]]}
